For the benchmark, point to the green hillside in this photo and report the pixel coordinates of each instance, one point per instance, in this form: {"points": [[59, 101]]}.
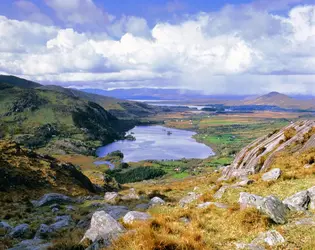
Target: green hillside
{"points": [[55, 122]]}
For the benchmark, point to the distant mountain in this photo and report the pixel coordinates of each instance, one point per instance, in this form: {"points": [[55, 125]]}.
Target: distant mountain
{"points": [[281, 100]]}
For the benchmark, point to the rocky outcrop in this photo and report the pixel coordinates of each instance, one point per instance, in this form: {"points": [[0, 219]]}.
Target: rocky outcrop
{"points": [[298, 201], [271, 206], [103, 228], [21, 231], [132, 216], [257, 157], [271, 238], [51, 198]]}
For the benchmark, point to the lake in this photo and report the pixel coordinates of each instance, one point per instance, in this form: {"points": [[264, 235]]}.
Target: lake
{"points": [[158, 143]]}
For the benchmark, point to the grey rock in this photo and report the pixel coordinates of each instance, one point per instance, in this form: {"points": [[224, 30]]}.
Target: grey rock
{"points": [[21, 231], [306, 222], [6, 227], [111, 197], [132, 216], [116, 212], [156, 201], [243, 183], [298, 201], [219, 194], [55, 210], [43, 232], [61, 222], [273, 174], [270, 206], [103, 228], [51, 198], [209, 203], [70, 208], [143, 206], [248, 246], [271, 238], [311, 193], [35, 244], [55, 205], [191, 197]]}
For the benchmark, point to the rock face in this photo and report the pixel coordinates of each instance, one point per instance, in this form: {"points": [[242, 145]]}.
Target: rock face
{"points": [[270, 206], [21, 231], [135, 216], [272, 175], [257, 157], [156, 201], [298, 201], [48, 199], [103, 228], [191, 197]]}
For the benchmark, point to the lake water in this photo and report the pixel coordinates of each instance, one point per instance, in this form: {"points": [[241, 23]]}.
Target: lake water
{"points": [[158, 143]]}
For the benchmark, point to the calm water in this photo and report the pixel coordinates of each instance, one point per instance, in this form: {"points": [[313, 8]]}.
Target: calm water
{"points": [[158, 143]]}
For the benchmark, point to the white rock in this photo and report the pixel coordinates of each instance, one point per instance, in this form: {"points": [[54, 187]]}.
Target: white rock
{"points": [[156, 201], [135, 216], [311, 193], [191, 197], [111, 197], [273, 174], [298, 201], [272, 238]]}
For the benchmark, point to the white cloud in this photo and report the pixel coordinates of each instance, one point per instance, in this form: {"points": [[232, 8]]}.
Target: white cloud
{"points": [[233, 50]]}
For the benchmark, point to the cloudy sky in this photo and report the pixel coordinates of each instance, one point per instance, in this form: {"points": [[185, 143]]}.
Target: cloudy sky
{"points": [[216, 46]]}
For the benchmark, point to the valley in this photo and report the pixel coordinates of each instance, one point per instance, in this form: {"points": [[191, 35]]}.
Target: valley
{"points": [[149, 173]]}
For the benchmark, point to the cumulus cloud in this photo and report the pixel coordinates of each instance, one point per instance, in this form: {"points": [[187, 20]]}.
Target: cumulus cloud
{"points": [[234, 50]]}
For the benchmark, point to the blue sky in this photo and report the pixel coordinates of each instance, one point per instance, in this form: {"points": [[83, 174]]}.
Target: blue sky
{"points": [[234, 47]]}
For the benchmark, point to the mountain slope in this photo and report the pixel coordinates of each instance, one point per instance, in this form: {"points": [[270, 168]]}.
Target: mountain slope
{"points": [[56, 121], [18, 82], [281, 100]]}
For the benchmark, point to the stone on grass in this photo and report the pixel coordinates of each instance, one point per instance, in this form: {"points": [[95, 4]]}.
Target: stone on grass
{"points": [[219, 194], [209, 203], [35, 244], [156, 201], [272, 175], [311, 193], [270, 206], [298, 201], [111, 197], [6, 228], [131, 196], [191, 197], [21, 231], [43, 232], [103, 228], [305, 222], [271, 238], [61, 222], [116, 212], [132, 216], [52, 198]]}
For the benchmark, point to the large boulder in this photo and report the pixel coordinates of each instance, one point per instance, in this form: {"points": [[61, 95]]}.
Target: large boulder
{"points": [[156, 201], [116, 212], [52, 198], [103, 228], [270, 206], [272, 175], [21, 231], [132, 216], [298, 201], [271, 238], [191, 197]]}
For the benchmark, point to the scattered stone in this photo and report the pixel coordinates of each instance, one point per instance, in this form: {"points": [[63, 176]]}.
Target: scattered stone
{"points": [[35, 244], [311, 193], [270, 206], [208, 204], [6, 228], [191, 197], [131, 196], [220, 192], [70, 208], [21, 231], [55, 210], [243, 183], [48, 199], [272, 175], [111, 197], [61, 222], [156, 201], [132, 216], [271, 238], [306, 222], [298, 201], [142, 206], [103, 228], [116, 212], [248, 246], [43, 232]]}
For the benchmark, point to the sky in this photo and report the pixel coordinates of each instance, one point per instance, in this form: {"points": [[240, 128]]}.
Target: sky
{"points": [[218, 47]]}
